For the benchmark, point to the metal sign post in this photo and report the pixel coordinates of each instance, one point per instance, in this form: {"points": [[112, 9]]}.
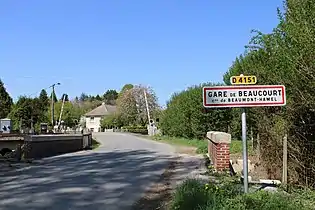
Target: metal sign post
{"points": [[245, 158]]}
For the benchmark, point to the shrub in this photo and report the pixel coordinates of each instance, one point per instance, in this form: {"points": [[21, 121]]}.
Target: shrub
{"points": [[136, 129], [192, 194], [186, 117], [189, 196]]}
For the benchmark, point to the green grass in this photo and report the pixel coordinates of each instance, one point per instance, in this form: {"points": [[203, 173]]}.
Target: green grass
{"points": [[236, 147], [194, 195], [202, 145], [95, 144]]}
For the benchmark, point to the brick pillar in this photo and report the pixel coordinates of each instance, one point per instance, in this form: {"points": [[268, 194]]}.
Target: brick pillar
{"points": [[219, 149]]}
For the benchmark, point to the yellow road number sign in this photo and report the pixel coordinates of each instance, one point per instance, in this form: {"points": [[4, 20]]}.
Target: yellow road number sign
{"points": [[243, 80]]}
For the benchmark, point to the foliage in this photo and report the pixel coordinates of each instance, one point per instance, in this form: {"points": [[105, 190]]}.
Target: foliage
{"points": [[236, 147], [189, 196], [71, 113], [285, 57], [95, 144], [111, 121], [110, 97], [193, 194], [44, 100], [83, 97], [64, 96], [53, 96], [125, 88], [98, 97], [26, 112], [136, 129], [5, 101], [132, 106], [186, 117]]}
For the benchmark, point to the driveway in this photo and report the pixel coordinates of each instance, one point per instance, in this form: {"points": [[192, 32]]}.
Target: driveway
{"points": [[113, 176]]}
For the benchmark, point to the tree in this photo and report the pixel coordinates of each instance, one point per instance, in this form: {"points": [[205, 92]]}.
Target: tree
{"points": [[83, 97], [43, 99], [185, 115], [66, 97], [26, 112], [71, 113], [285, 56], [53, 95], [125, 88], [98, 97], [132, 105], [111, 121], [110, 96], [6, 101]]}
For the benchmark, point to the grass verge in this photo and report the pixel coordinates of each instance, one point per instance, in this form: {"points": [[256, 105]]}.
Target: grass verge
{"points": [[95, 144], [194, 195], [202, 145]]}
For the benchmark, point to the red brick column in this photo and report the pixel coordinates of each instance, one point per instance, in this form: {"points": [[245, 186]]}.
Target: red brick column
{"points": [[219, 149]]}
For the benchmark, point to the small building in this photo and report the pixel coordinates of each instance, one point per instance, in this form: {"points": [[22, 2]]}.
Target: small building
{"points": [[93, 118]]}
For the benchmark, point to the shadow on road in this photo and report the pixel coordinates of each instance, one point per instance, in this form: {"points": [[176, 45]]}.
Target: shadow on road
{"points": [[108, 180]]}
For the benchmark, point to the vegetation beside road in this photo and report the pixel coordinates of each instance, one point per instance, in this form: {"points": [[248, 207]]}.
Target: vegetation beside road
{"points": [[95, 143], [282, 57], [202, 144], [195, 195]]}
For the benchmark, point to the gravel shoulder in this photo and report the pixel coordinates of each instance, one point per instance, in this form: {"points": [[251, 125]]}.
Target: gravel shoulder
{"points": [[186, 165]]}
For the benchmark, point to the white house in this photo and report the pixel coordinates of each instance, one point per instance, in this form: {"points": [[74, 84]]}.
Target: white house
{"points": [[93, 118]]}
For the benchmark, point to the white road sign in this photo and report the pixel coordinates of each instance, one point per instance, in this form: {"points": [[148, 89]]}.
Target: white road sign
{"points": [[244, 96]]}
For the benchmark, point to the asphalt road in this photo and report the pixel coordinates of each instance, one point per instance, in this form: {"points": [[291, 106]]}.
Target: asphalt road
{"points": [[113, 176]]}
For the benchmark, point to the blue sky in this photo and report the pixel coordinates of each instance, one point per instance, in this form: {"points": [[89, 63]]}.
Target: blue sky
{"points": [[91, 46]]}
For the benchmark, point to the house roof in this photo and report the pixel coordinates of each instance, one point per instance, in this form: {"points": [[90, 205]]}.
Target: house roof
{"points": [[102, 110]]}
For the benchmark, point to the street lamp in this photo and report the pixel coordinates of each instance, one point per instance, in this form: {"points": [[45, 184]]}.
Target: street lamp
{"points": [[53, 103]]}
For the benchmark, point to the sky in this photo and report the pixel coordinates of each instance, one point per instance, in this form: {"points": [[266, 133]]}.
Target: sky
{"points": [[91, 46]]}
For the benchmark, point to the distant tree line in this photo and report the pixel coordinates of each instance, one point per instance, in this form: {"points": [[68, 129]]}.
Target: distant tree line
{"points": [[29, 112]]}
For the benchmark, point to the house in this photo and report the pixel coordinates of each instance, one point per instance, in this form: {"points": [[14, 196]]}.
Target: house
{"points": [[93, 118]]}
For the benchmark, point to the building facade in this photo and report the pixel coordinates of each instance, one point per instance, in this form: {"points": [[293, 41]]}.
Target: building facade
{"points": [[94, 117]]}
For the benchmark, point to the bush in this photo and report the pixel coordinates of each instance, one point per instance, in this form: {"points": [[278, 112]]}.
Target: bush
{"points": [[136, 129], [285, 56], [193, 195], [189, 196], [186, 117]]}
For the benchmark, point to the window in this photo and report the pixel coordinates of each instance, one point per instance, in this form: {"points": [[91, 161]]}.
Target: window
{"points": [[91, 119]]}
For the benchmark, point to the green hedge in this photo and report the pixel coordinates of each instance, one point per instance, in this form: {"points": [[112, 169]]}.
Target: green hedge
{"points": [[186, 117], [136, 129]]}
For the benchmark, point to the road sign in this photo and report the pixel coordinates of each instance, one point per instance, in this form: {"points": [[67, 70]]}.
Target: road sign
{"points": [[244, 96], [243, 80]]}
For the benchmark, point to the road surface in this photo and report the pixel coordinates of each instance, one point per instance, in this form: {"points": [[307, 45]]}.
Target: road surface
{"points": [[113, 176]]}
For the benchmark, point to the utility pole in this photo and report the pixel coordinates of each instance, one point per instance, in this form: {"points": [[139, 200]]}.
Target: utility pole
{"points": [[53, 103], [147, 105], [61, 111]]}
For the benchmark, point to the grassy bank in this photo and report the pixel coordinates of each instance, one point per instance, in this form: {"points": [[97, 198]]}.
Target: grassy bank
{"points": [[95, 144], [201, 145], [194, 195]]}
